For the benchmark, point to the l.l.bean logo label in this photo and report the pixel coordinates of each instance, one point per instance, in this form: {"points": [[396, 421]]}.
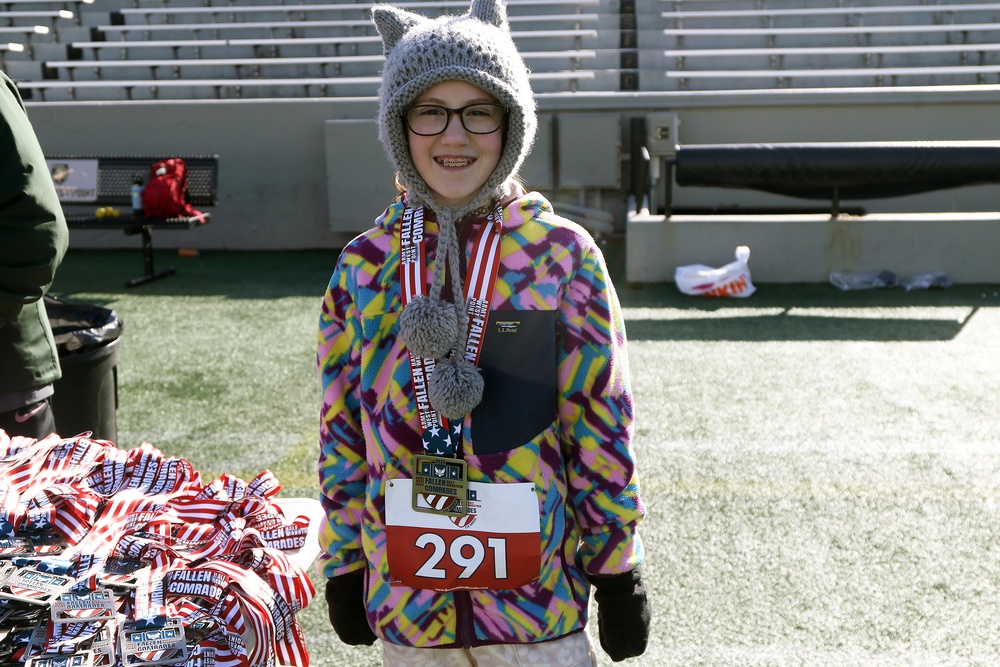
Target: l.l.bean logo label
{"points": [[508, 326]]}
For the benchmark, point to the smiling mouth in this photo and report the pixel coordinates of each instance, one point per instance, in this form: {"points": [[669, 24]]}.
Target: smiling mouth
{"points": [[454, 162]]}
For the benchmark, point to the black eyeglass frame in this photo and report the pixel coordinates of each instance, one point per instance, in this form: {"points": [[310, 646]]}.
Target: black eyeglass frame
{"points": [[461, 117]]}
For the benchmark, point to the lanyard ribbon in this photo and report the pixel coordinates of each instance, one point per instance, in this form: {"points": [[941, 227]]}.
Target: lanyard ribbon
{"points": [[480, 281]]}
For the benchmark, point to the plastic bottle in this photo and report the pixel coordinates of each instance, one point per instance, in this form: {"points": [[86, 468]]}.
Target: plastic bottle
{"points": [[137, 197], [863, 280], [935, 280]]}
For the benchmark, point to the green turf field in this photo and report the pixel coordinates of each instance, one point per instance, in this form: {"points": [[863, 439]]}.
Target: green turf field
{"points": [[822, 468]]}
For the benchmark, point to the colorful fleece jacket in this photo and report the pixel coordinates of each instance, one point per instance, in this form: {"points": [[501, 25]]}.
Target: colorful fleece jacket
{"points": [[557, 412]]}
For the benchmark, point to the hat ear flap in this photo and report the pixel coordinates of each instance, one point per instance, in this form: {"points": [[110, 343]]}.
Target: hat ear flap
{"points": [[392, 23], [493, 12]]}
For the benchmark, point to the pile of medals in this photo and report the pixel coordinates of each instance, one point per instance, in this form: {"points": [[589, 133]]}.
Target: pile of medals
{"points": [[125, 558]]}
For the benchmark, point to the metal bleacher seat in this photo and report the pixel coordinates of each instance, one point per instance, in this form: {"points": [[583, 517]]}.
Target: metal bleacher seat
{"points": [[874, 55], [853, 77], [321, 11], [151, 51], [22, 38], [11, 5], [770, 36], [314, 27], [5, 47], [12, 16], [846, 14], [220, 88], [253, 67], [756, 46], [172, 48]]}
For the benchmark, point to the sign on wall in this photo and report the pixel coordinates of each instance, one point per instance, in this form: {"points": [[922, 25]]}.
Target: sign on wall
{"points": [[75, 180]]}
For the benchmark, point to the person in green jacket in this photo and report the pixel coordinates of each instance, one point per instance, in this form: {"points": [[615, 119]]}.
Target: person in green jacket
{"points": [[33, 240]]}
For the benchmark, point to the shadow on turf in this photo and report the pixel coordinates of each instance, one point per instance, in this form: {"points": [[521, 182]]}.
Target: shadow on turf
{"points": [[761, 323], [237, 275], [98, 276], [785, 328]]}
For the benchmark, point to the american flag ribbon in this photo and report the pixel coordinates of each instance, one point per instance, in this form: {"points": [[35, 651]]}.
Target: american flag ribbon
{"points": [[255, 598], [154, 474], [72, 637], [194, 510], [413, 271], [264, 485], [282, 574], [480, 281], [137, 502], [108, 477], [184, 582], [282, 596]]}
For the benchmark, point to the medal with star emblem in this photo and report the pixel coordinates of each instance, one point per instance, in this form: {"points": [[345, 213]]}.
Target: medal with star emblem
{"points": [[440, 485]]}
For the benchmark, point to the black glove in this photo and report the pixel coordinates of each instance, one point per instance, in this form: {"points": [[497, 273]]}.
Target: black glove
{"points": [[345, 597], [623, 615]]}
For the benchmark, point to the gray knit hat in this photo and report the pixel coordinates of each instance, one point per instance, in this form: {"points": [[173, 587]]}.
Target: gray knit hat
{"points": [[476, 48]]}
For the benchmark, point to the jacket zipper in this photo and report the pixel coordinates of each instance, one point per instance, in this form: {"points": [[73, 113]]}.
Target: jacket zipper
{"points": [[464, 630]]}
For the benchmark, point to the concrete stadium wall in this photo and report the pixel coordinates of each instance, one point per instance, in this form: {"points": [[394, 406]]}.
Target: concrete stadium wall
{"points": [[293, 176], [272, 162]]}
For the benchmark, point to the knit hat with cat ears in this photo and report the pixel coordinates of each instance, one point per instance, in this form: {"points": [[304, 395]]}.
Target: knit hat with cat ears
{"points": [[476, 48]]}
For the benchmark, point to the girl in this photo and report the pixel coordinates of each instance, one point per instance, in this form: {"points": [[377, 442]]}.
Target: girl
{"points": [[476, 465]]}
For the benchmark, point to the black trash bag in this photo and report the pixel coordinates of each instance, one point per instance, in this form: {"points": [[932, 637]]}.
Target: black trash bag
{"points": [[81, 327], [87, 340]]}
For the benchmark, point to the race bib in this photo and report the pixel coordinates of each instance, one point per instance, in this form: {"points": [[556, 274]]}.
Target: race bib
{"points": [[496, 546]]}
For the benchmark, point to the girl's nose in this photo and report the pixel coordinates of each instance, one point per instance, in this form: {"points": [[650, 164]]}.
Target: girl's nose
{"points": [[454, 130]]}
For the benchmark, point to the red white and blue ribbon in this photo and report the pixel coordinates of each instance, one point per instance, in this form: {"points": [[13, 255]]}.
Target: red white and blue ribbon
{"points": [[480, 281]]}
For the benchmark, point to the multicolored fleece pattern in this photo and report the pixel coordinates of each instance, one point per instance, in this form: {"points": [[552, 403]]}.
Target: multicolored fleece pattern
{"points": [[579, 456]]}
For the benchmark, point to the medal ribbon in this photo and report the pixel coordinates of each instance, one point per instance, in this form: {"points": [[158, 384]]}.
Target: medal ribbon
{"points": [[480, 281]]}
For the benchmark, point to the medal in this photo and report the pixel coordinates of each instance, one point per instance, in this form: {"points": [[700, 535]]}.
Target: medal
{"points": [[440, 486]]}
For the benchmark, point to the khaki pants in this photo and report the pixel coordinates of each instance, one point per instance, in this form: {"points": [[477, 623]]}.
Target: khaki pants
{"points": [[574, 650]]}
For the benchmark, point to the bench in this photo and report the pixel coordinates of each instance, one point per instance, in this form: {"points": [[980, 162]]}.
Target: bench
{"points": [[111, 186], [832, 170], [804, 242]]}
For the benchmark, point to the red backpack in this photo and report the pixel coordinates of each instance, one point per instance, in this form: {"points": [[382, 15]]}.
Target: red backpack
{"points": [[166, 192]]}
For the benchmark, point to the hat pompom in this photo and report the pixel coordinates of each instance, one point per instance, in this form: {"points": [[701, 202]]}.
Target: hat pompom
{"points": [[455, 387], [427, 327]]}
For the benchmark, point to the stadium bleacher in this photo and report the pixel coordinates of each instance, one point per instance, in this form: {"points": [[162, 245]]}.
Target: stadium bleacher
{"points": [[728, 70], [192, 52], [731, 46], [599, 45]]}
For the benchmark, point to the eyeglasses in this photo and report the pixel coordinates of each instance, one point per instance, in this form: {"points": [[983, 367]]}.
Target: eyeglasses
{"points": [[430, 119]]}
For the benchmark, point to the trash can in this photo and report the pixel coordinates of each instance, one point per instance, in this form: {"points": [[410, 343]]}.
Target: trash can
{"points": [[86, 397]]}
